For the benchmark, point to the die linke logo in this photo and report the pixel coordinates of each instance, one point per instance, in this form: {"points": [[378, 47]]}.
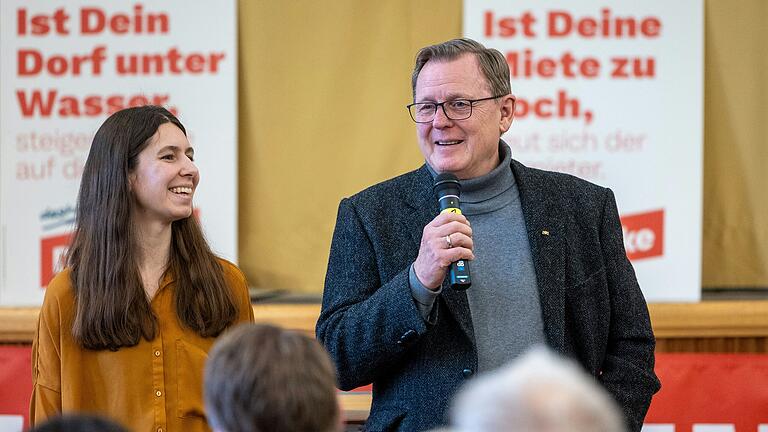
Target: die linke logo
{"points": [[52, 250], [643, 234]]}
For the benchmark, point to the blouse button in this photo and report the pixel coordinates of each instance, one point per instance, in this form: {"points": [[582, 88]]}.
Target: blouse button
{"points": [[158, 393], [157, 354]]}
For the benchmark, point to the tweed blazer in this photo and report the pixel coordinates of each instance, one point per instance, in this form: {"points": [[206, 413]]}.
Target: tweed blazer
{"points": [[592, 306]]}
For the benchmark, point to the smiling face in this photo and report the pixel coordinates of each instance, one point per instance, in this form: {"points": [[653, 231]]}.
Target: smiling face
{"points": [[164, 180], [468, 148]]}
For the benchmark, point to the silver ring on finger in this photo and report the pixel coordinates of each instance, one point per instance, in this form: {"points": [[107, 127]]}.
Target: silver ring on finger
{"points": [[448, 241]]}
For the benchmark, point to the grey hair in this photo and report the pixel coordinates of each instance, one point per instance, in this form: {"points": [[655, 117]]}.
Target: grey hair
{"points": [[539, 391], [492, 63]]}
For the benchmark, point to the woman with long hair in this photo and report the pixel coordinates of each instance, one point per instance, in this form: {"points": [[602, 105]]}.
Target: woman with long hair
{"points": [[125, 328]]}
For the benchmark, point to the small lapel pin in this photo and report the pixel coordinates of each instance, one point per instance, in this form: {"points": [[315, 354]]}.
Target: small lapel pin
{"points": [[545, 232]]}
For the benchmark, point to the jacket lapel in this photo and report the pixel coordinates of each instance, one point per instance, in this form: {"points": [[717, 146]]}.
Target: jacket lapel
{"points": [[546, 236], [420, 197]]}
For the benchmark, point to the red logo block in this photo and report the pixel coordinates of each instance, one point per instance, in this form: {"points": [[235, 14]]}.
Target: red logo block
{"points": [[643, 234], [52, 250]]}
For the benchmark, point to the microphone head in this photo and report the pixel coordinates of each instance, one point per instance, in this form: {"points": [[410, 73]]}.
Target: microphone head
{"points": [[446, 184]]}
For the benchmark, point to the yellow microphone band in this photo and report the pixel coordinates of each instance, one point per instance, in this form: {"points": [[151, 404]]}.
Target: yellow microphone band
{"points": [[451, 210]]}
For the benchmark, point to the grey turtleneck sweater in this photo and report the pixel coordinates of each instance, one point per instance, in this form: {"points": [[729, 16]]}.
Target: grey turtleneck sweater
{"points": [[503, 298]]}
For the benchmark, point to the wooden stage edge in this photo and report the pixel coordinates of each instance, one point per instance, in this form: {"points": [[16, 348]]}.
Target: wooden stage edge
{"points": [[703, 320]]}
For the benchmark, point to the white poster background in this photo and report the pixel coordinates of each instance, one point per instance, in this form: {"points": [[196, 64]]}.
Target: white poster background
{"points": [[40, 175], [644, 138]]}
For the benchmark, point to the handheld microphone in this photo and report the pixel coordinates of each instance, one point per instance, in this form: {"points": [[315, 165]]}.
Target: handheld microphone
{"points": [[448, 189]]}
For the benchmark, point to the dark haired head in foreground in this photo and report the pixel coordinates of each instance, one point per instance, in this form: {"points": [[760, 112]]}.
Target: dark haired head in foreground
{"points": [[78, 423], [261, 378]]}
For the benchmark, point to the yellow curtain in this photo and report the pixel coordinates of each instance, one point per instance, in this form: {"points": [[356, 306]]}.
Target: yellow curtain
{"points": [[735, 246], [323, 87]]}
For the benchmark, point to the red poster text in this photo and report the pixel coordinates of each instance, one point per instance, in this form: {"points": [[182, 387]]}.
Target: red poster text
{"points": [[93, 21], [40, 103], [561, 24]]}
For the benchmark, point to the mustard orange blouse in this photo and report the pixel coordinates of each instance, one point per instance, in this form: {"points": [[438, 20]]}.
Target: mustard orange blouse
{"points": [[154, 386]]}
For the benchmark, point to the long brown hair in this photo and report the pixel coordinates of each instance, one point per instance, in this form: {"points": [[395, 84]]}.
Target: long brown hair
{"points": [[112, 309]]}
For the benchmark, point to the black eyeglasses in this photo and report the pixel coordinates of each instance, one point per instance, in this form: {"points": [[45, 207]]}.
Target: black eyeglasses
{"points": [[457, 109]]}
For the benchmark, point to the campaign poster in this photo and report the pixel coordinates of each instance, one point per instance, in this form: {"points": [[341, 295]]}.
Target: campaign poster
{"points": [[65, 66], [612, 92]]}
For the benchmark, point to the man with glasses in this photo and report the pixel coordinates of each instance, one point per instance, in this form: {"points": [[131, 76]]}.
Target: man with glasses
{"points": [[548, 262]]}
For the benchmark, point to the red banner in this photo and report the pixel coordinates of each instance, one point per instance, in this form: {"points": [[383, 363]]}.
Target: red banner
{"points": [[700, 392], [710, 392], [15, 380]]}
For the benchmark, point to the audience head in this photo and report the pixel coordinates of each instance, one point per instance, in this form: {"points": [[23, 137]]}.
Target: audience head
{"points": [[78, 423], [539, 392], [263, 378]]}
